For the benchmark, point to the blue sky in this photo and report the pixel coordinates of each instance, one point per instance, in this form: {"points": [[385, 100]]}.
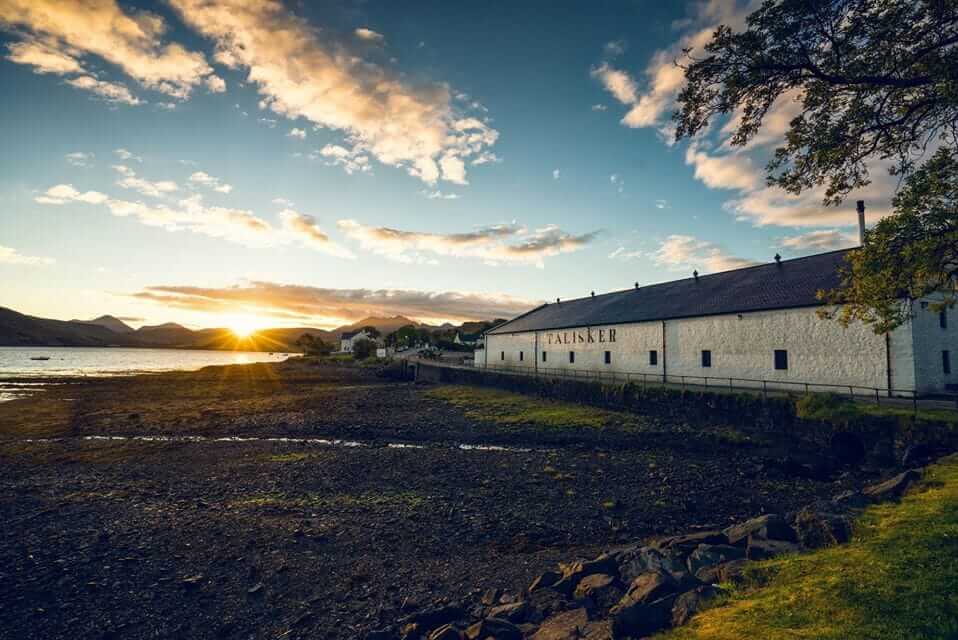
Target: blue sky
{"points": [[309, 164]]}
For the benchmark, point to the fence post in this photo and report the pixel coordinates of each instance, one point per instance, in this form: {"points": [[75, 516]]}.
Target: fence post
{"points": [[877, 398]]}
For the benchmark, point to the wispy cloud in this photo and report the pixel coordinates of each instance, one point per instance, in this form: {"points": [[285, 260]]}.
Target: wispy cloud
{"points": [[369, 35], [109, 91], [662, 204], [333, 307], [305, 228], [80, 159], [352, 160], [55, 35], [685, 253], [123, 154], [439, 195], [9, 255], [205, 179], [502, 243], [302, 75], [129, 180], [821, 240], [555, 174], [618, 182], [297, 133]]}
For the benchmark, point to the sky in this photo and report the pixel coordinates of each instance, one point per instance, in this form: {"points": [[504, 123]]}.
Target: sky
{"points": [[310, 164]]}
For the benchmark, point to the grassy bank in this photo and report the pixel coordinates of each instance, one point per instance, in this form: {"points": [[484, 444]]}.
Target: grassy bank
{"points": [[897, 579]]}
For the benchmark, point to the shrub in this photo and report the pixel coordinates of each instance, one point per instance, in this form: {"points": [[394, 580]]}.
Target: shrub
{"points": [[826, 407]]}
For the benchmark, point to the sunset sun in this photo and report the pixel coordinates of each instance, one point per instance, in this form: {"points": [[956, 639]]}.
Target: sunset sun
{"points": [[243, 326]]}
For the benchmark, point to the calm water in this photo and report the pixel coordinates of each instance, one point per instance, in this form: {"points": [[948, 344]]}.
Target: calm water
{"points": [[16, 362]]}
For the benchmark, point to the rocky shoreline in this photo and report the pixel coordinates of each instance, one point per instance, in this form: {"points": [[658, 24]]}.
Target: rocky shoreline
{"points": [[635, 591]]}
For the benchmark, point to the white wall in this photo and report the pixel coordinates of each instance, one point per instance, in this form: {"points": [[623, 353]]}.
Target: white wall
{"points": [[930, 340], [742, 345]]}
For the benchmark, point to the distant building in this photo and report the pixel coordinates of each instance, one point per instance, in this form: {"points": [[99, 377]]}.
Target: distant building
{"points": [[349, 338], [467, 339], [753, 324]]}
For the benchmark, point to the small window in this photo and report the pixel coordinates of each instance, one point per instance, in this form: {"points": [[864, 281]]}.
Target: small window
{"points": [[781, 359], [521, 356], [946, 362], [943, 319], [653, 358], [502, 355], [543, 356], [706, 358], [608, 357], [571, 357]]}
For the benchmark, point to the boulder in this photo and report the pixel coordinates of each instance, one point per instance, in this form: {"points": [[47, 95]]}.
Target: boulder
{"points": [[635, 561], [446, 632], [816, 529], [732, 572], [568, 625], [639, 619], [600, 588], [515, 612], [648, 587], [573, 573], [849, 501], [494, 628], [768, 527], [762, 549], [916, 455], [691, 540], [706, 555], [691, 602], [893, 488], [545, 580], [435, 617], [543, 603], [599, 630]]}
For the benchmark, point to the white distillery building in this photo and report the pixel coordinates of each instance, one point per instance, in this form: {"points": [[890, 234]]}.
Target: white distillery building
{"points": [[756, 324], [350, 338]]}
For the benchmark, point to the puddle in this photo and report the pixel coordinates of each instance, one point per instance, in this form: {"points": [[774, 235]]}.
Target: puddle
{"points": [[319, 442]]}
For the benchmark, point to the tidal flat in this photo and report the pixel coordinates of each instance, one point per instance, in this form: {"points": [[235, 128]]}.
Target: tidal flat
{"points": [[305, 500]]}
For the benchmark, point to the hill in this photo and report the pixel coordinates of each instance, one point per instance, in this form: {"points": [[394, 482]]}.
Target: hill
{"points": [[384, 325], [19, 330], [112, 323]]}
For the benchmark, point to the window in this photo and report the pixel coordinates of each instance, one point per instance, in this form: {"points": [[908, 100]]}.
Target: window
{"points": [[543, 356], [502, 355], [653, 358], [943, 319], [946, 362], [521, 356], [781, 359], [571, 357], [706, 358], [608, 357]]}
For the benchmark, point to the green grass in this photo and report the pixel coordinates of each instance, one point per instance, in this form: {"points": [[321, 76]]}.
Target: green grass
{"points": [[832, 407], [512, 409], [898, 579]]}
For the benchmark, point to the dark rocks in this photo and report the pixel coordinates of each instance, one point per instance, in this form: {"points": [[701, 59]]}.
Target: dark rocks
{"points": [[568, 625], [762, 549], [435, 617], [917, 455], [640, 619], [513, 612], [649, 586], [706, 555], [692, 540], [545, 580], [769, 527], [635, 561], [601, 589], [446, 632], [494, 628], [732, 572], [573, 573], [691, 602], [893, 488], [816, 530]]}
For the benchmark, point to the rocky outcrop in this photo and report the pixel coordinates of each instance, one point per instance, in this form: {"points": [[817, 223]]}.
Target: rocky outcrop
{"points": [[638, 590]]}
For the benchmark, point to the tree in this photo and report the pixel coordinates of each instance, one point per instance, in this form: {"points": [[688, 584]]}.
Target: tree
{"points": [[877, 80], [912, 254], [363, 349], [313, 346], [371, 331]]}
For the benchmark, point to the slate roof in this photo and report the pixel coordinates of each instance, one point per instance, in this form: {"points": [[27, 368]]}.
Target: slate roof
{"points": [[785, 285]]}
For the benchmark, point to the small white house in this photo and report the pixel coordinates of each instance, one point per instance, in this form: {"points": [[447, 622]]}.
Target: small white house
{"points": [[349, 338]]}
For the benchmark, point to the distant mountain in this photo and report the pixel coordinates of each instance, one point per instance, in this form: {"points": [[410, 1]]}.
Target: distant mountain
{"points": [[112, 323], [17, 329], [384, 325]]}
